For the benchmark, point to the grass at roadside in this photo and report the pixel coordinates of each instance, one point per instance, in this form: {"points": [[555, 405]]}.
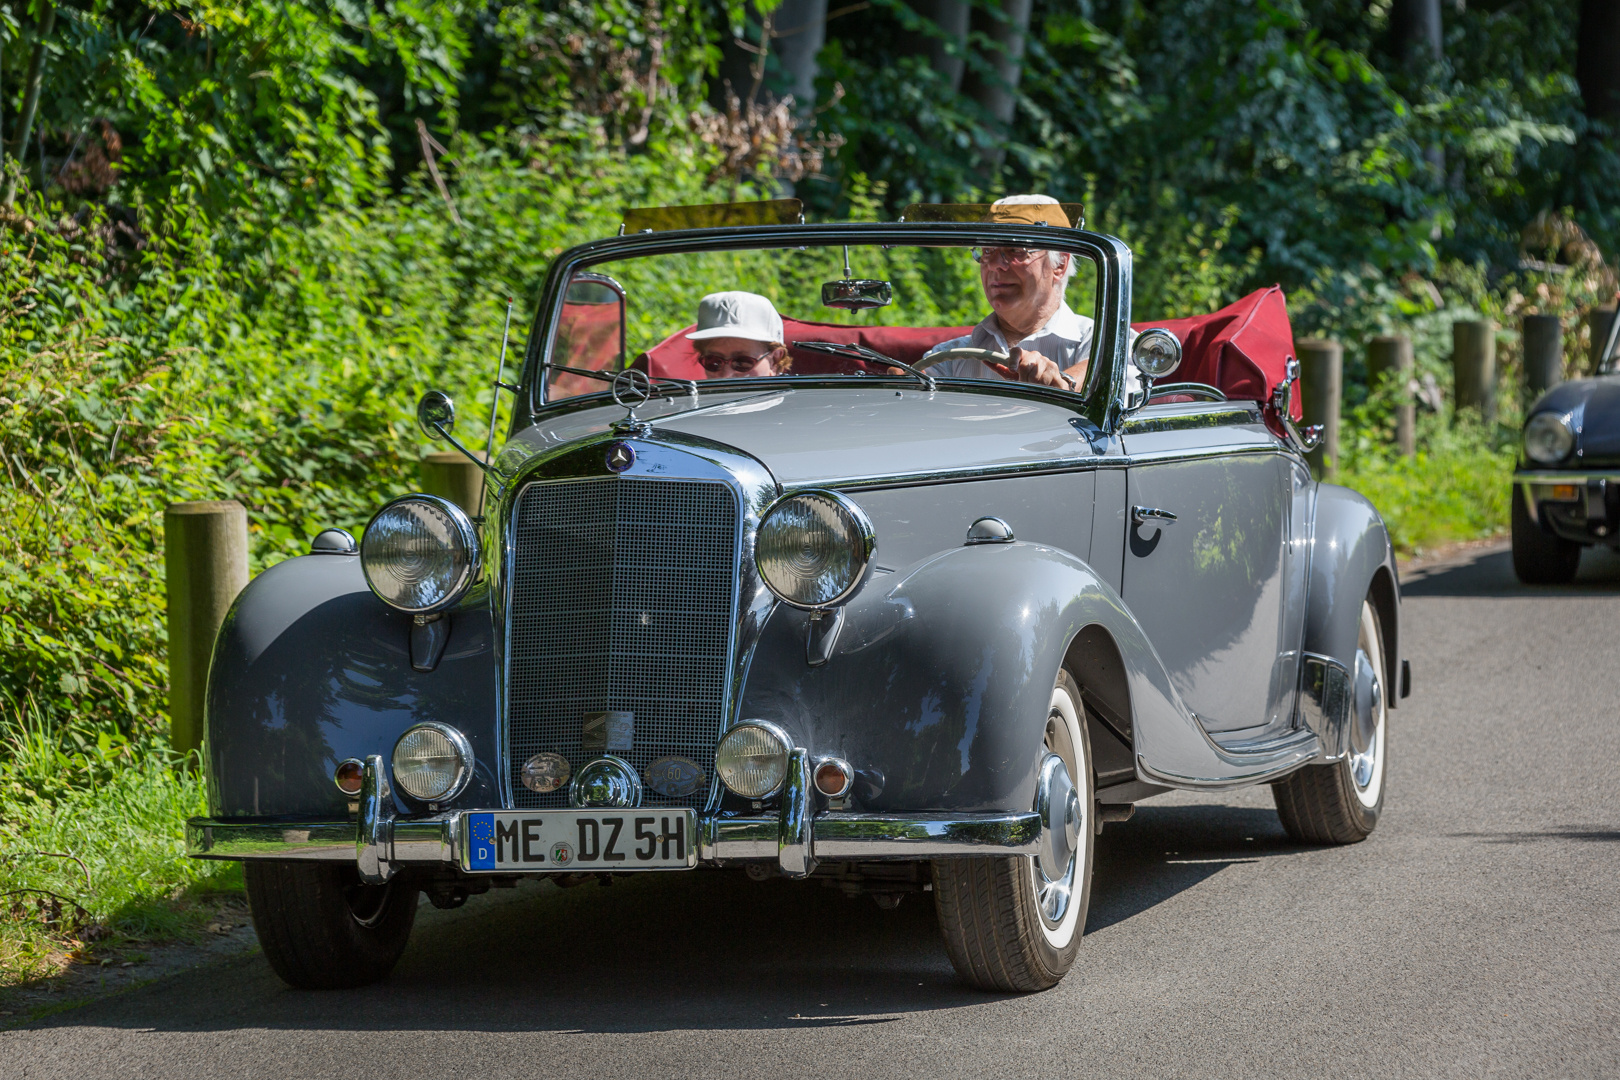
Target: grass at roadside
{"points": [[1430, 500], [92, 854]]}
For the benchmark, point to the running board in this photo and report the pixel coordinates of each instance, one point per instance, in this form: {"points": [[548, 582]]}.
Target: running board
{"points": [[1254, 764]]}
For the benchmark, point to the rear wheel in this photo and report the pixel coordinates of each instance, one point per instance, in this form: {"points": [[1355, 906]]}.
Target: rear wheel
{"points": [[1015, 923], [321, 929], [1539, 557], [1340, 803]]}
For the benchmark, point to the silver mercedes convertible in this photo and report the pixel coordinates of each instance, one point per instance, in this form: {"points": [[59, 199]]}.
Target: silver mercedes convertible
{"points": [[862, 593]]}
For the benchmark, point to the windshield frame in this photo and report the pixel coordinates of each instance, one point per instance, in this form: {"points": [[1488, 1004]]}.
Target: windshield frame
{"points": [[1100, 399]]}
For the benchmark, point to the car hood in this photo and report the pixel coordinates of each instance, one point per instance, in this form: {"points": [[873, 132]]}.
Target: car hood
{"points": [[815, 435], [1594, 408]]}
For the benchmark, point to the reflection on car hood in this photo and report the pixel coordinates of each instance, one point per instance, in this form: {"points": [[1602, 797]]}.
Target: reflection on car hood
{"points": [[811, 435], [1594, 407]]}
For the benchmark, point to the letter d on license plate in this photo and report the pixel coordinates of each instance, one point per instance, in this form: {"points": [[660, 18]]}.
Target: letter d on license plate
{"points": [[515, 841]]}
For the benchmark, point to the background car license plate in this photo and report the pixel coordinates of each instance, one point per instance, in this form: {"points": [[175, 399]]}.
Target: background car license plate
{"points": [[608, 840]]}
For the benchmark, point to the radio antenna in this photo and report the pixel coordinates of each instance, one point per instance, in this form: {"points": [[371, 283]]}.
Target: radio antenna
{"points": [[495, 397]]}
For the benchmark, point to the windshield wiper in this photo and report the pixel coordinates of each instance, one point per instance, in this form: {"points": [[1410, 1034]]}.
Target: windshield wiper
{"points": [[687, 386], [865, 355]]}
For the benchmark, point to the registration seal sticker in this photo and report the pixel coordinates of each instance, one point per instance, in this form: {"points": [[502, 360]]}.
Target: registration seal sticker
{"points": [[562, 854]]}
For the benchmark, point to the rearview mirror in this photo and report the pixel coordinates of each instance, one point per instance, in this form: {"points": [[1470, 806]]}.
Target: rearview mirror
{"points": [[856, 294], [436, 414]]}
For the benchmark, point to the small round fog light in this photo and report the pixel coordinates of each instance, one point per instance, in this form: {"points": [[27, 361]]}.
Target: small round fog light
{"points": [[545, 773], [349, 775], [432, 762], [752, 759], [833, 777]]}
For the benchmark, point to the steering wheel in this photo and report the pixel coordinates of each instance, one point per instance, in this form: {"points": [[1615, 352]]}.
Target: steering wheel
{"points": [[989, 356]]}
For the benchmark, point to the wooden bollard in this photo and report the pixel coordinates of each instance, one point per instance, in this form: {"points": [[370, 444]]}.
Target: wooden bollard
{"points": [[205, 562], [1598, 323], [449, 475], [1543, 337], [1389, 361], [1321, 382], [1473, 366]]}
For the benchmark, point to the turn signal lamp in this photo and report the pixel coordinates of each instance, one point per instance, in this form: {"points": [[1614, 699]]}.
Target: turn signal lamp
{"points": [[833, 777], [348, 776]]}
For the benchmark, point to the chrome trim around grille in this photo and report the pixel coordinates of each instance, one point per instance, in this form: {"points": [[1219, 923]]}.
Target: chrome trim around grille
{"points": [[661, 457]]}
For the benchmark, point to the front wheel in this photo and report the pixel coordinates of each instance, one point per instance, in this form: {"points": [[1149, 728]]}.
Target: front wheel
{"points": [[321, 928], [1340, 803], [1015, 923], [1539, 557]]}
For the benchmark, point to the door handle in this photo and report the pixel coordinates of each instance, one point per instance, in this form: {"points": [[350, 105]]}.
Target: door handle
{"points": [[1151, 515]]}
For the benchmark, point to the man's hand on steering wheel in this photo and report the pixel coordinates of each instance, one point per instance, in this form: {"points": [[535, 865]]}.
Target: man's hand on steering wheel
{"points": [[1032, 367]]}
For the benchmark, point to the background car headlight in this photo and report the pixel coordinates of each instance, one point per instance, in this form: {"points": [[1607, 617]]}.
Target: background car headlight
{"points": [[432, 762], [1548, 438], [419, 554], [813, 548], [752, 759]]}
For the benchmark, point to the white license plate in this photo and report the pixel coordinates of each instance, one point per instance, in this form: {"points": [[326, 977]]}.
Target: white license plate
{"points": [[611, 840]]}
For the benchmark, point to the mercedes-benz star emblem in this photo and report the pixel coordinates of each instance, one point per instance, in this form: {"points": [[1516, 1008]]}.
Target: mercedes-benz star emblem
{"points": [[620, 456], [631, 388]]}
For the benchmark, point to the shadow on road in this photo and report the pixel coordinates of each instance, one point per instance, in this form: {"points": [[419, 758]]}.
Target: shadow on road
{"points": [[681, 952], [1491, 575]]}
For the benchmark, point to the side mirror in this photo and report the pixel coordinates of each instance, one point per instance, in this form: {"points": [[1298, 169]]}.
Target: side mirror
{"points": [[856, 294], [1156, 352], [436, 415]]}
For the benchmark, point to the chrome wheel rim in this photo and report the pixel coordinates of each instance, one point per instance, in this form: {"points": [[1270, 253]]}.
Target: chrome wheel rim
{"points": [[1369, 714], [1054, 874]]}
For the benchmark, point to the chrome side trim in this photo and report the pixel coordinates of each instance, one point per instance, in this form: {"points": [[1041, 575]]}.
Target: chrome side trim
{"points": [[374, 838], [1324, 702]]}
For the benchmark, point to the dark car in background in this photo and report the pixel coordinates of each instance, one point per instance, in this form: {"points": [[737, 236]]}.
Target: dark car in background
{"points": [[1566, 491]]}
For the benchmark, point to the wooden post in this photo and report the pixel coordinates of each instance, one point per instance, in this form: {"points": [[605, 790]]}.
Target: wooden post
{"points": [[1473, 366], [1543, 337], [449, 475], [1321, 383], [205, 561], [1598, 322], [1389, 361]]}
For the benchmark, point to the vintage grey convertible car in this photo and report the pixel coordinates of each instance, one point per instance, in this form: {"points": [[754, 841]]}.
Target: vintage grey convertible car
{"points": [[1566, 492], [857, 621]]}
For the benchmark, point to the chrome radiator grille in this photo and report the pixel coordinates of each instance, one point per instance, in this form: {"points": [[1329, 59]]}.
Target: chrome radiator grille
{"points": [[622, 598]]}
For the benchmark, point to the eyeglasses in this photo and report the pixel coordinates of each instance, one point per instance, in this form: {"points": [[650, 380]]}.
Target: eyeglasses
{"points": [[1006, 256], [740, 362]]}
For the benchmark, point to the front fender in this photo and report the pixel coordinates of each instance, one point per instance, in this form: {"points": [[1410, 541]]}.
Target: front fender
{"points": [[940, 683], [310, 668]]}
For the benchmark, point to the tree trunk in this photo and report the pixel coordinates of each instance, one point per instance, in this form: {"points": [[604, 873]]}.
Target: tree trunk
{"points": [[997, 93], [1415, 27], [1597, 59], [951, 16], [31, 82], [799, 29]]}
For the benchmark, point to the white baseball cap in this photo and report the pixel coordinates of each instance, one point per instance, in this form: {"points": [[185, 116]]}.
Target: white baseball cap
{"points": [[739, 315]]}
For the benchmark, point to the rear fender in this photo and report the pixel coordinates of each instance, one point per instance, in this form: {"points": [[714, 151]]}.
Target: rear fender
{"points": [[310, 668], [1351, 557]]}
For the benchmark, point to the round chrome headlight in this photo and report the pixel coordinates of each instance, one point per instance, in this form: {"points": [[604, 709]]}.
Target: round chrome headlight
{"points": [[1548, 438], [813, 549], [752, 759], [419, 554], [432, 762]]}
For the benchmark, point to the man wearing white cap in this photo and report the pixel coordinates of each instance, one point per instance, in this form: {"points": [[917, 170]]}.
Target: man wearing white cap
{"points": [[1046, 342], [738, 334]]}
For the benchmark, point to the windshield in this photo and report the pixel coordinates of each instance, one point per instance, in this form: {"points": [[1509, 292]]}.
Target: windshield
{"points": [[835, 311]]}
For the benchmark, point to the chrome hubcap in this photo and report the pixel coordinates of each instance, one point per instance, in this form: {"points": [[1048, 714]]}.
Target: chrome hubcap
{"points": [[1058, 804], [1369, 701]]}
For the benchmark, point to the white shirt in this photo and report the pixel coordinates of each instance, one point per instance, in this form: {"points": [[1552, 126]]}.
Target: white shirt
{"points": [[1065, 340]]}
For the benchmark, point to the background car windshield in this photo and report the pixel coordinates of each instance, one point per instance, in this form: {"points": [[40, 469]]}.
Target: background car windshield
{"points": [[638, 311]]}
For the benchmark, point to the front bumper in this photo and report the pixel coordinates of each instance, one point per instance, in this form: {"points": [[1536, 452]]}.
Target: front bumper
{"points": [[796, 839], [1582, 506]]}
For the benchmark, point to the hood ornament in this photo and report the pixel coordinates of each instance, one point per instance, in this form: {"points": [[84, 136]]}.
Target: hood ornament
{"points": [[631, 389]]}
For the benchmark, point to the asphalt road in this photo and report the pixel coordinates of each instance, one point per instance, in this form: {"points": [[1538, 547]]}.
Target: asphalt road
{"points": [[1477, 933]]}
